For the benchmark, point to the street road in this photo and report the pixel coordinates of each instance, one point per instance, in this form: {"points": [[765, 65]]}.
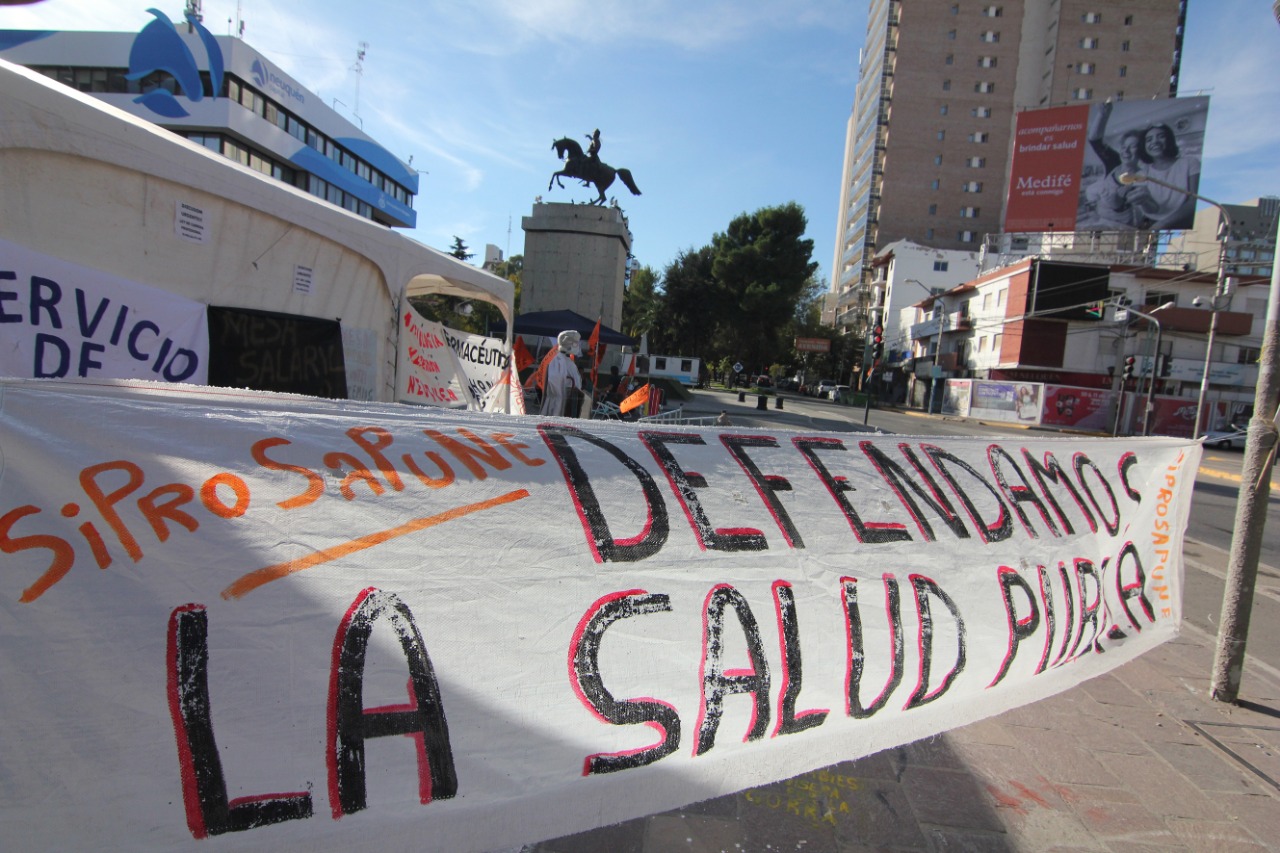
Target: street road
{"points": [[1209, 529]]}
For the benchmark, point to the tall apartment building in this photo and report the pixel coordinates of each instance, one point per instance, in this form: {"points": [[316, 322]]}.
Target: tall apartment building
{"points": [[928, 143], [1251, 244]]}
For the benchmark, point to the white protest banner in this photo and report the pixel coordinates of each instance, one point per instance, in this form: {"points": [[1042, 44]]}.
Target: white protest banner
{"points": [[483, 362], [60, 320], [427, 373], [312, 625]]}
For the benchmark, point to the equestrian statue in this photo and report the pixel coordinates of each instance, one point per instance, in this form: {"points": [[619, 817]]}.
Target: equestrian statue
{"points": [[588, 167]]}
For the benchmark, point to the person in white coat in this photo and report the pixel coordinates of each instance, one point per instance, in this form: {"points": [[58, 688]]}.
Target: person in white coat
{"points": [[562, 375]]}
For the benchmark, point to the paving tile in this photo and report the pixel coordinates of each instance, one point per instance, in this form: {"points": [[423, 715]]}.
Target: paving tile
{"points": [[627, 837], [988, 761], [1056, 758], [1109, 690], [1142, 675], [1123, 824], [727, 807], [881, 818], [1208, 768], [933, 752], [948, 798], [1216, 836], [952, 841], [1260, 814], [787, 813], [694, 834], [991, 731], [1161, 788]]}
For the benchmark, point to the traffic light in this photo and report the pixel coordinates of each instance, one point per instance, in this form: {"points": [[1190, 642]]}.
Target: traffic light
{"points": [[1130, 362], [1166, 365], [877, 342]]}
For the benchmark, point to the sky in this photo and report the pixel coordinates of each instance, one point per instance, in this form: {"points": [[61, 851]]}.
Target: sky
{"points": [[718, 107]]}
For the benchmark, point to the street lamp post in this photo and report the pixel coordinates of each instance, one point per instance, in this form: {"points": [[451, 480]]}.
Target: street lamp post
{"points": [[1155, 358], [1219, 291]]}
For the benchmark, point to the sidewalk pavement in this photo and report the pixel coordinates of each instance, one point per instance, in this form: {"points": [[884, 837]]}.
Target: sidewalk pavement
{"points": [[1139, 759]]}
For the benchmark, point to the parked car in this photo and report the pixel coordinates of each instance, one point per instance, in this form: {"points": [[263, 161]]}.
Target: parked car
{"points": [[839, 393], [1226, 438], [763, 381], [823, 388]]}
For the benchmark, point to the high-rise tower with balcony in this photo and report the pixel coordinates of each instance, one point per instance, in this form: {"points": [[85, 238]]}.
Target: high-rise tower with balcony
{"points": [[929, 140]]}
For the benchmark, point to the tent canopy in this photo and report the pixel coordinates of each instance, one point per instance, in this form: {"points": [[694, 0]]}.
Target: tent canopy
{"points": [[551, 323]]}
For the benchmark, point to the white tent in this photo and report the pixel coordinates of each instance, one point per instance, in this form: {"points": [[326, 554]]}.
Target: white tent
{"points": [[91, 185]]}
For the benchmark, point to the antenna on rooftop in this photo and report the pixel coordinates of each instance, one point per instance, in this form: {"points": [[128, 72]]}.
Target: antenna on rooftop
{"points": [[193, 12], [361, 49]]}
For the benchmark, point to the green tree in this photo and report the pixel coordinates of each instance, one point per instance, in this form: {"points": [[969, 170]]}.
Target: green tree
{"points": [[688, 307], [761, 266], [641, 302], [459, 249]]}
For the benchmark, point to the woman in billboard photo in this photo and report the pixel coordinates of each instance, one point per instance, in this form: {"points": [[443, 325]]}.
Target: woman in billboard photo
{"points": [[1165, 207], [1112, 207]]}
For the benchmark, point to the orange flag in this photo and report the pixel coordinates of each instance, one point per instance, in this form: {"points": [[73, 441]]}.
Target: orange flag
{"points": [[636, 400], [539, 376], [521, 353], [593, 347]]}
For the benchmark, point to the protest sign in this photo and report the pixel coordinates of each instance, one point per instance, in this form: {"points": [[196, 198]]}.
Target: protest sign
{"points": [[427, 372], [314, 625], [483, 362], [61, 320]]}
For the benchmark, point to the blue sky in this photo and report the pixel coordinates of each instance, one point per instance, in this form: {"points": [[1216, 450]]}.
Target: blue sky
{"points": [[718, 107]]}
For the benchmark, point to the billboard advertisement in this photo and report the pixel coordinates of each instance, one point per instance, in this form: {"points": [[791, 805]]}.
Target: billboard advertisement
{"points": [[1078, 408], [1067, 162]]}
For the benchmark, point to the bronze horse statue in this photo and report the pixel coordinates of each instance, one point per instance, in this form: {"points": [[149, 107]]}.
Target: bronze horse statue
{"points": [[589, 170]]}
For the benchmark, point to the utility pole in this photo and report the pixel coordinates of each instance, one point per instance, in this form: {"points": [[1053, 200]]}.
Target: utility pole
{"points": [[1251, 507]]}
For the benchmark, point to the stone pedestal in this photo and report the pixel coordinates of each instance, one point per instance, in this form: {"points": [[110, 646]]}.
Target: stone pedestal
{"points": [[575, 257]]}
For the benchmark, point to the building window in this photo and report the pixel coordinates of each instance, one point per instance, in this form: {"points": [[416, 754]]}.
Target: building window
{"points": [[955, 8], [934, 184], [942, 134], [991, 36], [969, 212], [1128, 20], [1249, 355], [986, 62], [951, 35], [1124, 46], [929, 234], [1154, 299], [976, 162], [1082, 94], [979, 136], [933, 210], [1091, 17], [942, 110], [940, 266], [973, 186], [1086, 68], [1089, 43], [982, 343], [981, 112], [995, 343], [950, 60], [993, 11], [967, 237], [1124, 71], [986, 302], [1000, 296], [937, 159], [946, 85], [984, 87]]}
